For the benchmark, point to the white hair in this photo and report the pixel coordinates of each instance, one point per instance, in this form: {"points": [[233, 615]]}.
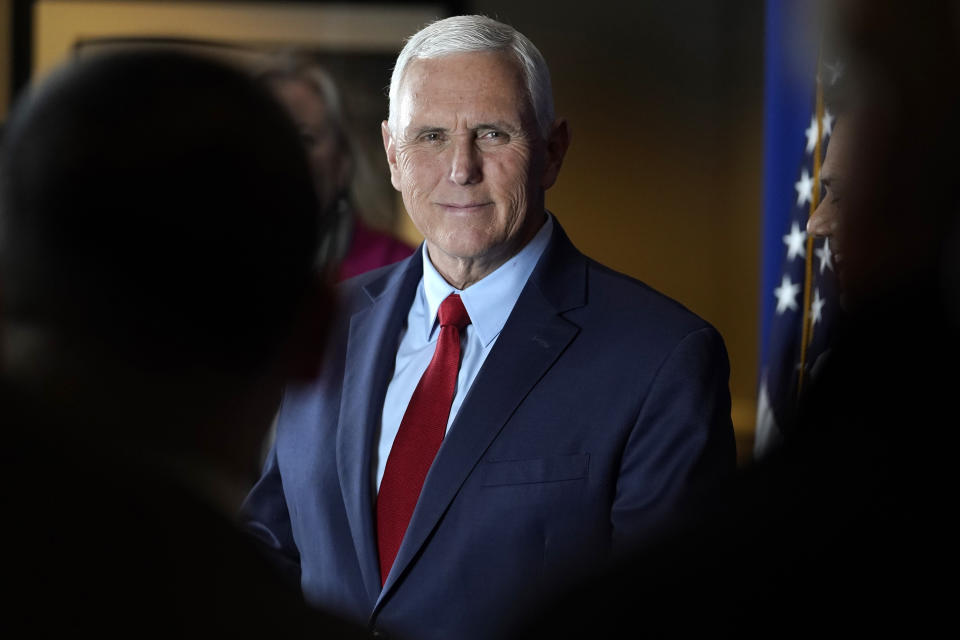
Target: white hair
{"points": [[463, 34]]}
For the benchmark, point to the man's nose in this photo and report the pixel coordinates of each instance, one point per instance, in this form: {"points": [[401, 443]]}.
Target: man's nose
{"points": [[466, 163], [823, 220]]}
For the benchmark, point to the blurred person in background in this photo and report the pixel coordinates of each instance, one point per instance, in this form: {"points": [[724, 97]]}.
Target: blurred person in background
{"points": [[159, 286], [844, 99], [834, 175], [313, 100], [847, 529]]}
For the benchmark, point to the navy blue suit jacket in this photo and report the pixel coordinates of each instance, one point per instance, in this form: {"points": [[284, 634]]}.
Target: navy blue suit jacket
{"points": [[601, 403]]}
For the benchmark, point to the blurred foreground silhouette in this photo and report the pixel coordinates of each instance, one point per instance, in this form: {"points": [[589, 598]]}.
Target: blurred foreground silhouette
{"points": [[158, 247]]}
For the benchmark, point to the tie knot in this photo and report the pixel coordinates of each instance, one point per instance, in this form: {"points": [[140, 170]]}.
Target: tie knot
{"points": [[452, 312]]}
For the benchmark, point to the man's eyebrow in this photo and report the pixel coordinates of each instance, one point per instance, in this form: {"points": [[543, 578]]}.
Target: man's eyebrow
{"points": [[419, 131], [828, 174], [831, 180], [499, 125]]}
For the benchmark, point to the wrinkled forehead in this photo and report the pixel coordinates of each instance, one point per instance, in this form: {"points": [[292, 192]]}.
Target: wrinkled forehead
{"points": [[475, 80]]}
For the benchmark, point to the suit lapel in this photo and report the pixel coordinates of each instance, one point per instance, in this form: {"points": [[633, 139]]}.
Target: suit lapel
{"points": [[371, 349], [531, 341]]}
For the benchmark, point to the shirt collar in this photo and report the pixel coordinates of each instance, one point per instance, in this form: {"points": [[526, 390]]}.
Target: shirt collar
{"points": [[490, 300]]}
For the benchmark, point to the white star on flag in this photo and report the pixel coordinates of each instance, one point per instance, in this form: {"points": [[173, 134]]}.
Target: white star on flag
{"points": [[794, 241], [816, 308], [811, 134], [804, 187], [828, 119], [786, 295], [825, 255]]}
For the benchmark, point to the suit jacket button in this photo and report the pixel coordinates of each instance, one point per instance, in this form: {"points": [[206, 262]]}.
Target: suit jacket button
{"points": [[379, 635]]}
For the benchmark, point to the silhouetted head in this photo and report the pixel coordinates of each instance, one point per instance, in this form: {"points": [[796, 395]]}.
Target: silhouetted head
{"points": [[160, 204], [158, 226]]}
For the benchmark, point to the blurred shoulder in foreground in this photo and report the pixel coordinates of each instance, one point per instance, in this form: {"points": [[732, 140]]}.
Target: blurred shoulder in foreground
{"points": [[158, 244]]}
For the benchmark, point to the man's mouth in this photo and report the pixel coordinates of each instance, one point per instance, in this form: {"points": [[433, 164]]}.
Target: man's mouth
{"points": [[464, 206]]}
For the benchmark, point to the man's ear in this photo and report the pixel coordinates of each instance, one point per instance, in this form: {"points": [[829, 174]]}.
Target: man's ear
{"points": [[557, 143], [390, 147], [307, 340]]}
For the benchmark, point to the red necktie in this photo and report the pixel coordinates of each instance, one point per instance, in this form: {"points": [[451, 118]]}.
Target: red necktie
{"points": [[421, 432]]}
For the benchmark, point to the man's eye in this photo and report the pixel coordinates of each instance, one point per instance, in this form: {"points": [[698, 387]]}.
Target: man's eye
{"points": [[493, 136], [829, 195], [431, 136]]}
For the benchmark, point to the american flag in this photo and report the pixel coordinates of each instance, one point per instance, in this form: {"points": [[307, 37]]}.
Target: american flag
{"points": [[799, 298]]}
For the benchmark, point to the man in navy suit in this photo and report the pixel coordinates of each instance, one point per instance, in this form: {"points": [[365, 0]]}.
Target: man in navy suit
{"points": [[497, 412]]}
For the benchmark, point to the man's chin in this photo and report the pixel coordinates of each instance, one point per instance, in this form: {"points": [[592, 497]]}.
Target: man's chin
{"points": [[458, 255]]}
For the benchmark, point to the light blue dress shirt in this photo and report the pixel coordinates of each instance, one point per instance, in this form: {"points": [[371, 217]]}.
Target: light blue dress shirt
{"points": [[488, 302]]}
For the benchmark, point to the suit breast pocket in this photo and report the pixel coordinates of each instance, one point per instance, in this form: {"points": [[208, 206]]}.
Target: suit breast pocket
{"points": [[534, 471]]}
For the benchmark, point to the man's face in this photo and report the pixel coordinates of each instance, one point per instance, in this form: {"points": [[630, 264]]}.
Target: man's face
{"points": [[467, 157], [328, 161]]}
